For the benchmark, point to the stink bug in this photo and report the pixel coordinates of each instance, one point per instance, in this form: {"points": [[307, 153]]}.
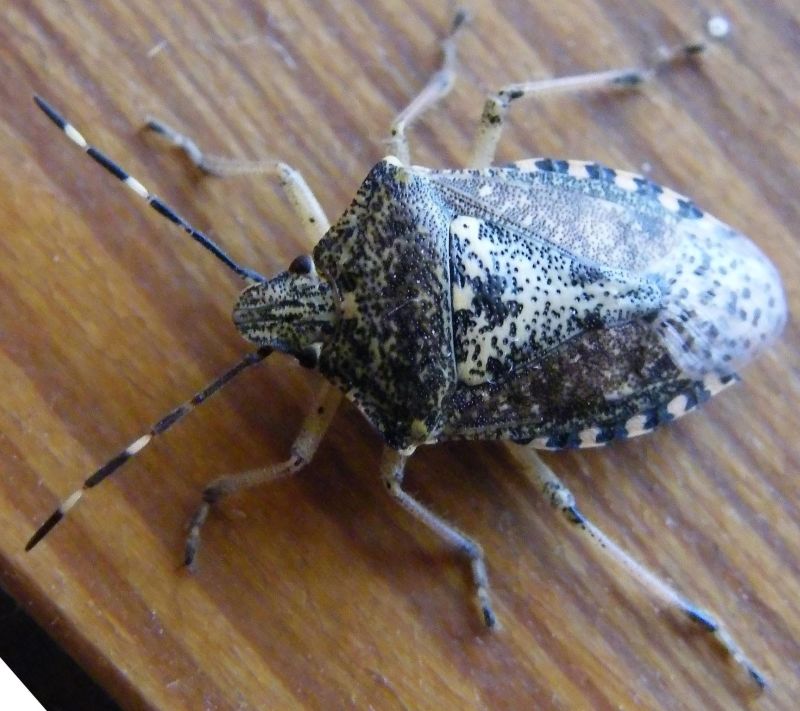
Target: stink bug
{"points": [[551, 303]]}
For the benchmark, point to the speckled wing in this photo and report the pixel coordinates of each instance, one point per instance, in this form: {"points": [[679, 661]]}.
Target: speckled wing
{"points": [[516, 297], [720, 302]]}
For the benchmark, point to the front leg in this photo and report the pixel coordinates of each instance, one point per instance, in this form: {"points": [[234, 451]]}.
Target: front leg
{"points": [[302, 450], [392, 472], [300, 196]]}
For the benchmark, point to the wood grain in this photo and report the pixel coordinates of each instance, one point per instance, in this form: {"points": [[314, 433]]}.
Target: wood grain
{"points": [[319, 592]]}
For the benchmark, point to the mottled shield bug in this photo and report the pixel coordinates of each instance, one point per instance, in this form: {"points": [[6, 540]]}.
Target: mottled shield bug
{"points": [[551, 303]]}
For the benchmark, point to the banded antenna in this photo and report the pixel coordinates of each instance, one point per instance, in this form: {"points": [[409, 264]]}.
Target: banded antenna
{"points": [[155, 202], [113, 464], [139, 444]]}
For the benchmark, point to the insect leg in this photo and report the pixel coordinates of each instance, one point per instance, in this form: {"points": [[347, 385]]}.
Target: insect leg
{"points": [[300, 196], [113, 464], [438, 86], [301, 452], [561, 498], [496, 107], [392, 471]]}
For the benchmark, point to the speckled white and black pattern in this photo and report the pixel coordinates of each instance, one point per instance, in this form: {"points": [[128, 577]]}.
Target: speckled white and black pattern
{"points": [[557, 397], [590, 213], [724, 302], [560, 303], [515, 297], [387, 260], [290, 312]]}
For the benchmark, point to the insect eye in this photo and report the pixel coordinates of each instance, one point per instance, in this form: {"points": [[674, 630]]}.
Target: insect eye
{"points": [[308, 357], [302, 265]]}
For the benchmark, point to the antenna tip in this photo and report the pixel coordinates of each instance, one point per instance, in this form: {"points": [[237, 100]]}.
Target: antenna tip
{"points": [[45, 528], [50, 112]]}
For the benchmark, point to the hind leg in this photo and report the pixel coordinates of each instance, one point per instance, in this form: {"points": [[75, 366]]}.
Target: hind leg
{"points": [[496, 107], [561, 499]]}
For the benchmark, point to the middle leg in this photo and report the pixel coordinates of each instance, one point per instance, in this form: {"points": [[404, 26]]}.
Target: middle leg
{"points": [[392, 472], [438, 86]]}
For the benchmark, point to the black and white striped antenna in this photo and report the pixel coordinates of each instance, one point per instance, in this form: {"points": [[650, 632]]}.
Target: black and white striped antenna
{"points": [[113, 464], [139, 444], [155, 202]]}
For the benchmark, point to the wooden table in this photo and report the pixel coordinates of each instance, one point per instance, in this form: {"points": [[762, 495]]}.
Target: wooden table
{"points": [[319, 592]]}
